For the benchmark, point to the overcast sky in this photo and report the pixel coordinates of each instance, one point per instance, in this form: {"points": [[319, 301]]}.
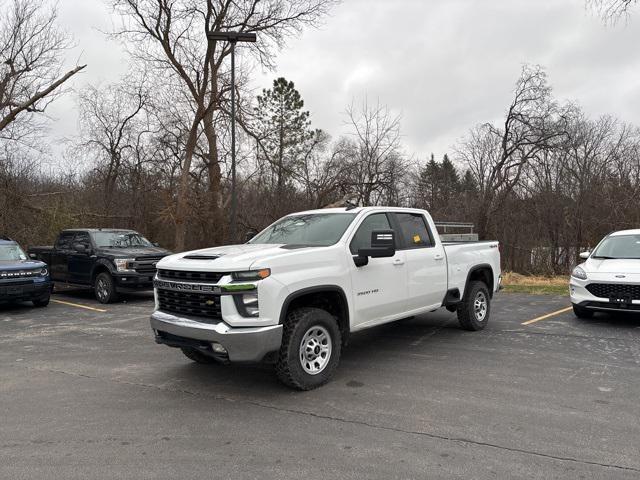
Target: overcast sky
{"points": [[445, 65]]}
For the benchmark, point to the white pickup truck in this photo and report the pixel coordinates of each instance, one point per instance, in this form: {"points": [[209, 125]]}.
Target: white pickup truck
{"points": [[295, 292]]}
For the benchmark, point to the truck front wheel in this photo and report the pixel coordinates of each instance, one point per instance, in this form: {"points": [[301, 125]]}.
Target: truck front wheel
{"points": [[474, 310], [310, 350], [105, 288]]}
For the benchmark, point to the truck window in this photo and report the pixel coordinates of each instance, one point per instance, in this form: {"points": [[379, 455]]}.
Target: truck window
{"points": [[83, 239], [65, 240], [413, 230], [362, 238]]}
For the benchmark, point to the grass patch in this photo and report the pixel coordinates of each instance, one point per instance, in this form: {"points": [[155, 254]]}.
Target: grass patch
{"points": [[535, 285]]}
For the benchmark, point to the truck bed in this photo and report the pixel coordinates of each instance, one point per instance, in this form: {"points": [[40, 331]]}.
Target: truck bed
{"points": [[463, 256]]}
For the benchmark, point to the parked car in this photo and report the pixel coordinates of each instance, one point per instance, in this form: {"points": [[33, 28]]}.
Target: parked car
{"points": [[108, 260], [22, 279], [295, 292], [609, 279]]}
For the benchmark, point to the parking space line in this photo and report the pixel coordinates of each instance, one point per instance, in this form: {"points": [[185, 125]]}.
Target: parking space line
{"points": [[548, 315], [80, 306]]}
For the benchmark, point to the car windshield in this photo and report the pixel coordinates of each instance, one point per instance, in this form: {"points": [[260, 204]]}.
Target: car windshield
{"points": [[619, 246], [316, 230], [120, 240], [11, 252]]}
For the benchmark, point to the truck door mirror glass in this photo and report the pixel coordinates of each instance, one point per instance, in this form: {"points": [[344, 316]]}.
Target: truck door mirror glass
{"points": [[80, 248], [383, 244]]}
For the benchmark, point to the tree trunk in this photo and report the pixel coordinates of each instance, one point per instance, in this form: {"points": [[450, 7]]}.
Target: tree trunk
{"points": [[182, 204]]}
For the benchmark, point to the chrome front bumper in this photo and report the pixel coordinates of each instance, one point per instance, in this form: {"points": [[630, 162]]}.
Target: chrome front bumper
{"points": [[243, 344]]}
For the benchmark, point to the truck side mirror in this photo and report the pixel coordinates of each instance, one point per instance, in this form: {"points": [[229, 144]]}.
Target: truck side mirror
{"points": [[155, 244], [79, 247], [585, 255], [249, 235], [383, 244]]}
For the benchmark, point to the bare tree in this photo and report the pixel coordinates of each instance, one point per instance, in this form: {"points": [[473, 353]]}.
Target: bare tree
{"points": [[31, 50], [612, 10], [171, 35]]}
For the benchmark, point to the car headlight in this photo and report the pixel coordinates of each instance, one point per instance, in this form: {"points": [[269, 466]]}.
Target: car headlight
{"points": [[579, 272], [44, 272], [251, 275], [124, 264]]}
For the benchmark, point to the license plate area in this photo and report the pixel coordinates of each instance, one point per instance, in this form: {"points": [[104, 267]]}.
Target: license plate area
{"points": [[620, 299]]}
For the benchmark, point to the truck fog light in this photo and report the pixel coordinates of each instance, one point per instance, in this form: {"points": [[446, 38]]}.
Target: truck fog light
{"points": [[217, 348], [250, 302]]}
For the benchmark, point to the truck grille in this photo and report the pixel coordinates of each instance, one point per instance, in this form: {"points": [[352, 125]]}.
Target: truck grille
{"points": [[196, 304], [10, 274], [204, 277], [146, 265], [606, 290]]}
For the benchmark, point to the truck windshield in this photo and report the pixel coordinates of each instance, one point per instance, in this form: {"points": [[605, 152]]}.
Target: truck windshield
{"points": [[120, 240], [619, 246], [11, 252], [317, 230]]}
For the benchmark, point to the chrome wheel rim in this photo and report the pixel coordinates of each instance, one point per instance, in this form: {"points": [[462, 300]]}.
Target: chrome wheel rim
{"points": [[315, 350], [480, 306], [102, 289]]}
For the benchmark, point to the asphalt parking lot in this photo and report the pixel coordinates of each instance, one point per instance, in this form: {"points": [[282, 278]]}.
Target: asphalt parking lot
{"points": [[86, 393]]}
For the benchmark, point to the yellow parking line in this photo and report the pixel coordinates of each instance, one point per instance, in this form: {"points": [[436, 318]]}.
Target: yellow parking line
{"points": [[543, 317], [80, 306]]}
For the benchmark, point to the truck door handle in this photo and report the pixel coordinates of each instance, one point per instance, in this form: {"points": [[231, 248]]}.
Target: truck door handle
{"points": [[438, 256], [398, 261]]}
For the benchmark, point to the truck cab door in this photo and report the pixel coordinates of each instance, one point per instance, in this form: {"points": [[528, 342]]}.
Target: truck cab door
{"points": [[378, 288], [425, 259], [80, 262], [59, 257]]}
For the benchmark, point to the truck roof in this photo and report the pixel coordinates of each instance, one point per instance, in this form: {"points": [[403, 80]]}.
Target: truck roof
{"points": [[355, 210]]}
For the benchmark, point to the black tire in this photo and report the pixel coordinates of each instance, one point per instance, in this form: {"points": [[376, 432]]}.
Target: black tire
{"points": [[41, 302], [315, 325], [473, 316], [582, 312], [198, 357], [105, 288]]}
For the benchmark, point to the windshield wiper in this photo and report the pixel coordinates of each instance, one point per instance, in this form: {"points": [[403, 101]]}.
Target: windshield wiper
{"points": [[605, 257]]}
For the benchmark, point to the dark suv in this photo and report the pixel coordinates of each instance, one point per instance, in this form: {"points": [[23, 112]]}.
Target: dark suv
{"points": [[22, 279]]}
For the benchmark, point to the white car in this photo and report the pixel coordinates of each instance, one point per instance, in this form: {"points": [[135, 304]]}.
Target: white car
{"points": [[609, 279], [296, 291]]}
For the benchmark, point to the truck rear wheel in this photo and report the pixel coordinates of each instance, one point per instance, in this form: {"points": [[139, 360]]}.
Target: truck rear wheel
{"points": [[474, 310], [310, 350], [105, 288]]}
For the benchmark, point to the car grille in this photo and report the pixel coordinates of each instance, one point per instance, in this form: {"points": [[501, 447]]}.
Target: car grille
{"points": [[11, 274], [606, 290], [146, 265], [205, 277], [196, 304]]}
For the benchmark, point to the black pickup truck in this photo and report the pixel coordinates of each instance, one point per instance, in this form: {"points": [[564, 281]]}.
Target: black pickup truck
{"points": [[108, 260]]}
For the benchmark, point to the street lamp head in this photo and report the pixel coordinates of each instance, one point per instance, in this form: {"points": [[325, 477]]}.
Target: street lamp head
{"points": [[231, 36]]}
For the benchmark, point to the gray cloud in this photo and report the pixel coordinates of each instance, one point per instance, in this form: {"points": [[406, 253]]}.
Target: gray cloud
{"points": [[446, 65]]}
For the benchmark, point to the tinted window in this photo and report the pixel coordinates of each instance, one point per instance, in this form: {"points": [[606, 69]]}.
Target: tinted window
{"points": [[64, 240], [413, 230], [362, 238], [82, 238], [119, 239]]}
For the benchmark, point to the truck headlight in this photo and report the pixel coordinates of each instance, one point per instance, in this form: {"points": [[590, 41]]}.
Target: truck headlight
{"points": [[579, 272], [124, 264], [251, 275]]}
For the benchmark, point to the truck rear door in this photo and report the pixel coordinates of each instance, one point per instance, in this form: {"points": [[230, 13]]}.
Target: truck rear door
{"points": [[79, 260], [59, 257], [426, 263]]}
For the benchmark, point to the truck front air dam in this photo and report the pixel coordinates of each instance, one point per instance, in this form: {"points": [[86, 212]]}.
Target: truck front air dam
{"points": [[243, 344]]}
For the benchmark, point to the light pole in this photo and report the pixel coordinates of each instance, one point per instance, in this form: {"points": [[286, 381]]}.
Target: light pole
{"points": [[232, 38]]}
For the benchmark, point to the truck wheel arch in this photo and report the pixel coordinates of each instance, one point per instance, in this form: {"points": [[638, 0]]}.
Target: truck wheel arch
{"points": [[100, 266], [483, 273], [327, 297]]}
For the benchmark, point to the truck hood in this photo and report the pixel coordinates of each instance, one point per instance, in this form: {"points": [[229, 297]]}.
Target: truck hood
{"points": [[622, 266], [228, 258], [20, 264], [133, 252]]}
